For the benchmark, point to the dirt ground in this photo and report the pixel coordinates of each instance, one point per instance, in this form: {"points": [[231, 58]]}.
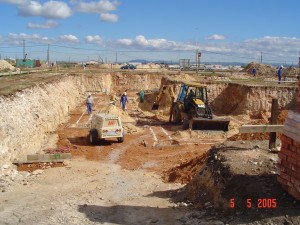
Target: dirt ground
{"points": [[159, 175]]}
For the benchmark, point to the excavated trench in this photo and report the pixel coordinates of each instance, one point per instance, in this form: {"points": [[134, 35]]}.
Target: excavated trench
{"points": [[29, 118]]}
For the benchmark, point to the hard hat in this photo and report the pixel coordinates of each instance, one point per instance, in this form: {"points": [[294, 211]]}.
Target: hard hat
{"points": [[90, 94], [125, 93], [281, 66]]}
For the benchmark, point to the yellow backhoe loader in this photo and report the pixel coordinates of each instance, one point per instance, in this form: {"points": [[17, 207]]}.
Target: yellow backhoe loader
{"points": [[191, 109]]}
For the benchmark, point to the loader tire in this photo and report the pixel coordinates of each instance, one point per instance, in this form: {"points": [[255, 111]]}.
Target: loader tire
{"points": [[176, 115], [186, 123]]}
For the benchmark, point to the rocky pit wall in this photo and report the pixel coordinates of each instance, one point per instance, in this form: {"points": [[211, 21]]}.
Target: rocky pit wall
{"points": [[289, 163], [126, 81], [235, 99], [251, 100]]}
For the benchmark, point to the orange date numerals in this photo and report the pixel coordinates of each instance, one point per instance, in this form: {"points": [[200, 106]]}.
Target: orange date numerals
{"points": [[249, 203], [263, 203], [231, 203]]}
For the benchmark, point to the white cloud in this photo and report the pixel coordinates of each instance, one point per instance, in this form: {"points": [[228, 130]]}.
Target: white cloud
{"points": [[93, 39], [273, 48], [69, 38], [141, 42], [108, 17], [102, 7], [59, 9], [97, 7], [50, 9], [160, 43], [17, 39], [216, 37], [125, 41], [47, 25]]}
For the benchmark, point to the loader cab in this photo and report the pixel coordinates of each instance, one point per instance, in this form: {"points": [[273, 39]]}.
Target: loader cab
{"points": [[192, 96]]}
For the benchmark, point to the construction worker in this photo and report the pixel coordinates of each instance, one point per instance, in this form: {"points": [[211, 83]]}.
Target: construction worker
{"points": [[254, 71], [89, 103], [279, 73], [124, 100], [191, 94], [141, 94]]}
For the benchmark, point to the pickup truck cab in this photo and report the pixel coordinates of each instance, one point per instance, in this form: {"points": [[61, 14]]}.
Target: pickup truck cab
{"points": [[106, 126]]}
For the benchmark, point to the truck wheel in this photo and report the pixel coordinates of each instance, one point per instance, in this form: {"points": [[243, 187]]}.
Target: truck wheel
{"points": [[93, 136], [121, 139]]}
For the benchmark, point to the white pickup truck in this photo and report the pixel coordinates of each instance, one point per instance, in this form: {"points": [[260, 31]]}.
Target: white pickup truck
{"points": [[106, 126]]}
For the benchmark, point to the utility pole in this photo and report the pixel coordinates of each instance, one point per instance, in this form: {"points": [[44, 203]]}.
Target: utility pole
{"points": [[260, 57], [48, 55], [197, 61], [23, 49], [198, 56], [116, 57]]}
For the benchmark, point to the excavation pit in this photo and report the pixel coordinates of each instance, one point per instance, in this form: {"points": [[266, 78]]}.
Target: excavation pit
{"points": [[134, 165]]}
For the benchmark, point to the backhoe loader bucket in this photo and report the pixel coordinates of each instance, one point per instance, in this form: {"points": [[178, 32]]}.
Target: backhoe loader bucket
{"points": [[209, 124]]}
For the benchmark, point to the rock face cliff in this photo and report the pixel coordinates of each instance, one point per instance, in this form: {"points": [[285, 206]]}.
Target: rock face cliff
{"points": [[252, 100]]}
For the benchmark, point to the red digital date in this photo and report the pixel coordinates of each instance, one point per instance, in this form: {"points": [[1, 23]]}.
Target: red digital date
{"points": [[262, 203], [266, 203]]}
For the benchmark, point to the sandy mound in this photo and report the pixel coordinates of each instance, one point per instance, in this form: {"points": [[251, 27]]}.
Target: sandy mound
{"points": [[291, 71], [4, 65], [109, 66], [261, 69], [268, 70], [149, 66], [128, 121], [183, 77], [112, 109]]}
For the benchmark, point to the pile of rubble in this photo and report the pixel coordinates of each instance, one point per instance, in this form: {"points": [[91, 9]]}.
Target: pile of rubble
{"points": [[268, 70], [4, 65], [261, 69], [128, 122]]}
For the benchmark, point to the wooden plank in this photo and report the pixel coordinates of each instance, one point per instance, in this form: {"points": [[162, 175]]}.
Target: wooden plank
{"points": [[41, 161], [292, 126], [48, 157], [294, 116], [291, 130], [260, 128]]}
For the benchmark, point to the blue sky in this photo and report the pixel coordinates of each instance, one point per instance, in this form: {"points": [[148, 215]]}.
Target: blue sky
{"points": [[123, 30]]}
